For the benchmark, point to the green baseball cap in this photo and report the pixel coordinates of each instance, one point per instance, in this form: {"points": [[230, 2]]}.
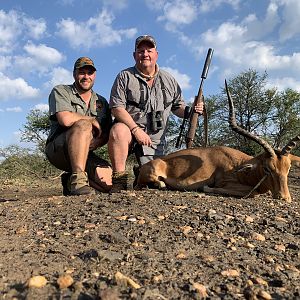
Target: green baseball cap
{"points": [[83, 62]]}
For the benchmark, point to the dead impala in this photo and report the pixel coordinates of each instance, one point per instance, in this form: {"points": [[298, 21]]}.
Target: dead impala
{"points": [[224, 170]]}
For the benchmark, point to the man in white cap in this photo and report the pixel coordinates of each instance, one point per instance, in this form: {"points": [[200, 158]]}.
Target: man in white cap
{"points": [[141, 100]]}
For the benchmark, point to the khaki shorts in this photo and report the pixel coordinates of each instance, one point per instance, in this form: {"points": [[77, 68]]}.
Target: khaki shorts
{"points": [[57, 154]]}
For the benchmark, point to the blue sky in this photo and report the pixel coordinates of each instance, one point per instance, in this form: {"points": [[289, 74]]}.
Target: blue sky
{"points": [[40, 40]]}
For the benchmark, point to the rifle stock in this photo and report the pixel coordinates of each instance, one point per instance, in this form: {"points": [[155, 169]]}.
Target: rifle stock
{"points": [[193, 122]]}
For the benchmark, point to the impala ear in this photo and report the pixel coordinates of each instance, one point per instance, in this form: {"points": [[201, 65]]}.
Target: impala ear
{"points": [[246, 167]]}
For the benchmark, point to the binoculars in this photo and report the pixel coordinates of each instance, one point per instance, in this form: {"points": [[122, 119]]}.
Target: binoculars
{"points": [[156, 120]]}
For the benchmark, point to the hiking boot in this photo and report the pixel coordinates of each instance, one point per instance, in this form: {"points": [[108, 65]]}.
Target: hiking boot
{"points": [[119, 181], [80, 184], [65, 181]]}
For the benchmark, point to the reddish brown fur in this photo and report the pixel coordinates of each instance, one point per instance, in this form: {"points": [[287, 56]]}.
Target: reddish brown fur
{"points": [[221, 170]]}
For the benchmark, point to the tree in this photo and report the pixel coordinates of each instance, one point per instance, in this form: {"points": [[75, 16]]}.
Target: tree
{"points": [[37, 128], [272, 115], [17, 162], [286, 117]]}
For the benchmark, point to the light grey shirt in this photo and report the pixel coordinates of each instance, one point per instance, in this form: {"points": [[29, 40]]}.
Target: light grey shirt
{"points": [[130, 90]]}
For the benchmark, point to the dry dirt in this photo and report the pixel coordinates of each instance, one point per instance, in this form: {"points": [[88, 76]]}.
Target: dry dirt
{"points": [[167, 245]]}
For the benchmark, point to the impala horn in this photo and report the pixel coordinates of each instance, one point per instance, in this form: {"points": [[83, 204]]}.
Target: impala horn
{"points": [[290, 145], [233, 125]]}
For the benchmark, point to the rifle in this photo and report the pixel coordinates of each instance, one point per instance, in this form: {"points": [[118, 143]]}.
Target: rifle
{"points": [[191, 116]]}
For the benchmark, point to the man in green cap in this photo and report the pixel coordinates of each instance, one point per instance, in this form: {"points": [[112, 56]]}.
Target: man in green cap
{"points": [[80, 123]]}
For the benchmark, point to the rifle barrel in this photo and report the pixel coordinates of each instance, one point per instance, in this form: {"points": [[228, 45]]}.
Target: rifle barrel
{"points": [[207, 63], [193, 120]]}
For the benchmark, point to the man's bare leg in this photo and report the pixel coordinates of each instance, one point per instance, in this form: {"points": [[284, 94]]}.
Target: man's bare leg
{"points": [[78, 139], [118, 145]]}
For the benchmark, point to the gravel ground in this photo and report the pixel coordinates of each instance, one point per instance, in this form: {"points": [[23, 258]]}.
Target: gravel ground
{"points": [[147, 245]]}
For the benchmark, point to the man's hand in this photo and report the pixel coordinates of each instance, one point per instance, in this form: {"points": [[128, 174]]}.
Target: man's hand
{"points": [[96, 128], [199, 108], [142, 137]]}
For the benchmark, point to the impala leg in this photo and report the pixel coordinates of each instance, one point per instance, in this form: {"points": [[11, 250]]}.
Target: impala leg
{"points": [[240, 191]]}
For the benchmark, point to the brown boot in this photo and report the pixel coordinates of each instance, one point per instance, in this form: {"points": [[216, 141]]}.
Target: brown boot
{"points": [[119, 181], [80, 184]]}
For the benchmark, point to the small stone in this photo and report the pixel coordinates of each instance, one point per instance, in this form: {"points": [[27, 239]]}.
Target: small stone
{"points": [[181, 255], [230, 273], [264, 295], [279, 268], [186, 229], [249, 282], [89, 225], [280, 248], [201, 289], [65, 281], [249, 219], [121, 218], [37, 281], [158, 278], [258, 237], [269, 259], [261, 281], [122, 279], [249, 245], [21, 230]]}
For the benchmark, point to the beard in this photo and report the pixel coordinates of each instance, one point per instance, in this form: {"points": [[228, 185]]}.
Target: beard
{"points": [[84, 85]]}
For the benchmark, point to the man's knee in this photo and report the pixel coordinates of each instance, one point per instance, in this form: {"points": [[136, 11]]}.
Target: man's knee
{"points": [[120, 131], [82, 126]]}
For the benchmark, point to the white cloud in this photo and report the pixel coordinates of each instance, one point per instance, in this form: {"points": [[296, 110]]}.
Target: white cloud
{"points": [[180, 12], [95, 32], [41, 107], [40, 58], [290, 19], [233, 47], [283, 83], [14, 26], [14, 109], [43, 53], [10, 29], [256, 29], [35, 28], [183, 79], [60, 76], [210, 5], [5, 62], [16, 89], [177, 13], [156, 4]]}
